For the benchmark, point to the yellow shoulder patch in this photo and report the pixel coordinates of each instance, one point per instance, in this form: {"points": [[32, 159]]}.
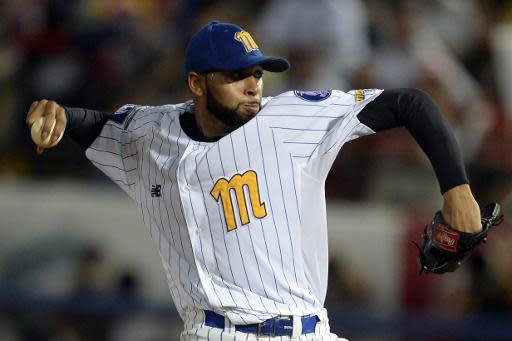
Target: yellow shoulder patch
{"points": [[359, 95]]}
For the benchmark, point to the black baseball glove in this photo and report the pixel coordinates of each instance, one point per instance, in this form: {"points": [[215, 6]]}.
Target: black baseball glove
{"points": [[444, 248]]}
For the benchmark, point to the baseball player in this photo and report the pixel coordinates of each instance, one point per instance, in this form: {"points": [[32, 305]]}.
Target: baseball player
{"points": [[231, 184]]}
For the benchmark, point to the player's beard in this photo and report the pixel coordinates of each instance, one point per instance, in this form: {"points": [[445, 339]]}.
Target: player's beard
{"points": [[226, 115]]}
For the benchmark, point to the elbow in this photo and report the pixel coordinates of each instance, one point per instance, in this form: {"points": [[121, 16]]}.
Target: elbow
{"points": [[416, 97], [415, 102]]}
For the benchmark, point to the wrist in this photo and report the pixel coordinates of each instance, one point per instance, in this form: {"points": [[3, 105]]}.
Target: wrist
{"points": [[457, 191], [455, 196], [460, 209]]}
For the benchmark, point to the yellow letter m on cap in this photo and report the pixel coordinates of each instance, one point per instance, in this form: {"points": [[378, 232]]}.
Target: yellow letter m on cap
{"points": [[222, 190], [245, 38]]}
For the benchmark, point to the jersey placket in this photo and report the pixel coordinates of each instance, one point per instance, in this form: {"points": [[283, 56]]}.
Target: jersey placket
{"points": [[187, 196]]}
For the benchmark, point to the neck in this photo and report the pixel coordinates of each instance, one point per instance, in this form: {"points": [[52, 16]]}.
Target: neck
{"points": [[210, 126]]}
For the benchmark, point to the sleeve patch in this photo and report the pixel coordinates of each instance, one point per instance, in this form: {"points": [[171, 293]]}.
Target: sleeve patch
{"points": [[313, 96], [124, 116], [360, 95]]}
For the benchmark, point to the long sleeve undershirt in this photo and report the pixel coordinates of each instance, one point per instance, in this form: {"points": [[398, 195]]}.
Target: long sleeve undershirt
{"points": [[409, 108], [85, 125], [417, 112]]}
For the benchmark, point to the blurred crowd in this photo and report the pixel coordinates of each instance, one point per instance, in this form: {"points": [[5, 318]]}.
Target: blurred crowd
{"points": [[100, 54], [81, 295]]}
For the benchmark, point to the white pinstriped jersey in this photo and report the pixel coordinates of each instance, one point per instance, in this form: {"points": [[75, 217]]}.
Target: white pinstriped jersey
{"points": [[240, 223]]}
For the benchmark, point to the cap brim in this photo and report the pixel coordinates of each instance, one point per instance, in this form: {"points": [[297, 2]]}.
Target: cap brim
{"points": [[275, 64], [272, 64]]}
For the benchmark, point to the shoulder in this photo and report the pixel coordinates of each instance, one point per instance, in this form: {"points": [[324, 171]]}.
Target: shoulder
{"points": [[131, 116], [320, 97], [301, 97], [300, 101]]}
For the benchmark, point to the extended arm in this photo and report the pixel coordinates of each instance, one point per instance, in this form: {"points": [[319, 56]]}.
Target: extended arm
{"points": [[82, 125], [416, 111]]}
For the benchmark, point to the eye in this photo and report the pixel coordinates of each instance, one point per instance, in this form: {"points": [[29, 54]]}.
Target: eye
{"points": [[233, 76], [258, 74]]}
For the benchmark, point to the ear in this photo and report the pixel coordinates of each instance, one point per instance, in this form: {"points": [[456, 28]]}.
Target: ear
{"points": [[196, 84]]}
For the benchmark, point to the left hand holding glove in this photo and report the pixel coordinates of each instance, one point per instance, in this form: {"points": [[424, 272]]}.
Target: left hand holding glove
{"points": [[455, 231]]}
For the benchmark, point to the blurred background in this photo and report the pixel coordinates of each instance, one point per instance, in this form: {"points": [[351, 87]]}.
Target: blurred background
{"points": [[76, 262]]}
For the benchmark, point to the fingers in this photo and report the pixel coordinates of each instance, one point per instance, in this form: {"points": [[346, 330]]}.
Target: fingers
{"points": [[60, 124], [36, 110], [32, 106], [54, 123], [49, 113]]}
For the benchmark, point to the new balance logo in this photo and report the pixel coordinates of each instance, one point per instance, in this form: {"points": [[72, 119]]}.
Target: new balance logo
{"points": [[156, 190]]}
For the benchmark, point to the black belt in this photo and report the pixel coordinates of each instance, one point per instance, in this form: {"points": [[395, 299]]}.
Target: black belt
{"points": [[277, 326]]}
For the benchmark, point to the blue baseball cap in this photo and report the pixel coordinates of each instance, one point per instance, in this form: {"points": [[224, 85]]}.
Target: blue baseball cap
{"points": [[227, 47]]}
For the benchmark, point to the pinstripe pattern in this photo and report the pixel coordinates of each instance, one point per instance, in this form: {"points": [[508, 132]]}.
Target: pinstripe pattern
{"points": [[258, 269]]}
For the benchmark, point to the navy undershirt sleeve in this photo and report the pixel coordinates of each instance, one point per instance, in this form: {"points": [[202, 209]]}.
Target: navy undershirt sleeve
{"points": [[85, 125], [416, 111]]}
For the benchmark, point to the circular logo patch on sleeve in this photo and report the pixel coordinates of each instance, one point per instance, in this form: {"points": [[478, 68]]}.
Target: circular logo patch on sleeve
{"points": [[313, 96]]}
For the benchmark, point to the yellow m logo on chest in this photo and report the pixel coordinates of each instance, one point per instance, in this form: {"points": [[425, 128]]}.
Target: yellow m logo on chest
{"points": [[238, 183]]}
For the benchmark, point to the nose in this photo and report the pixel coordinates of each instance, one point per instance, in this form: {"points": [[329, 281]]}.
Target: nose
{"points": [[252, 86]]}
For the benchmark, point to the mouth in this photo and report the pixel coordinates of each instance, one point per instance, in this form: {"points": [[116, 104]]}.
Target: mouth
{"points": [[252, 108]]}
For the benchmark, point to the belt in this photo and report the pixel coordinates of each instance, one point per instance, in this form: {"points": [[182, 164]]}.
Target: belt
{"points": [[277, 326]]}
